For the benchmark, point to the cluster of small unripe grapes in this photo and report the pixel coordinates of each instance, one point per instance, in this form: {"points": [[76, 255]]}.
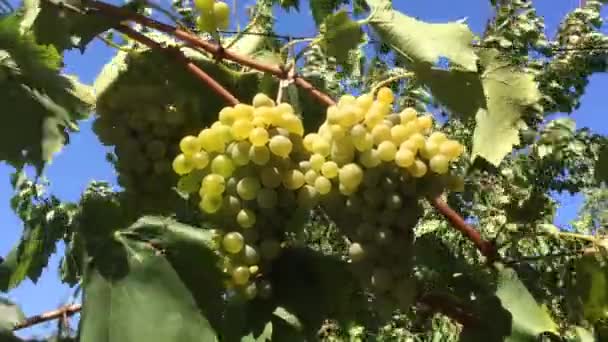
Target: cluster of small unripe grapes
{"points": [[213, 15], [368, 160], [144, 139], [245, 170]]}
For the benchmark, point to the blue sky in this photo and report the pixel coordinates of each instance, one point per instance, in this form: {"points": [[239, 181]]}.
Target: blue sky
{"points": [[84, 159]]}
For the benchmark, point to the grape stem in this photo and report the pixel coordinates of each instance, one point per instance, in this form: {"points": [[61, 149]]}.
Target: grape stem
{"points": [[485, 247], [179, 56], [62, 312], [216, 50]]}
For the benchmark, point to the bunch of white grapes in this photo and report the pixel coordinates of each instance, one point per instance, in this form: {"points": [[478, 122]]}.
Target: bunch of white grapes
{"points": [[245, 168], [213, 15], [367, 161]]}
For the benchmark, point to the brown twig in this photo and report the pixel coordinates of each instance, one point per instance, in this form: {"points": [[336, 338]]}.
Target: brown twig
{"points": [[193, 68], [216, 50], [486, 248], [64, 311]]}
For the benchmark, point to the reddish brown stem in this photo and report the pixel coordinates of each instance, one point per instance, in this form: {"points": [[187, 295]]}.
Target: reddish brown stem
{"points": [[486, 248], [64, 311], [193, 68], [216, 50]]}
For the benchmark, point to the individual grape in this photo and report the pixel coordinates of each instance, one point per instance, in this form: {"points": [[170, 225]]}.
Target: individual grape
{"points": [[243, 111], [250, 255], [330, 169], [350, 175], [404, 157], [211, 141], [292, 124], [349, 115], [439, 164], [267, 198], [370, 158], [240, 153], [224, 132], [424, 123], [182, 164], [365, 143], [226, 116], [258, 136], [387, 151], [408, 115], [430, 149], [310, 177], [321, 146], [248, 188], [309, 139], [271, 177], [451, 149], [221, 11], [231, 205], [418, 169], [200, 160], [399, 133], [222, 165], [293, 179], [241, 128], [380, 133], [210, 203], [213, 184], [418, 141], [385, 95], [438, 137], [259, 155], [262, 100], [316, 161], [337, 131], [251, 290], [323, 185], [240, 275], [246, 218], [280, 145], [204, 5], [206, 22], [342, 151], [356, 252], [233, 242], [284, 108], [364, 101]]}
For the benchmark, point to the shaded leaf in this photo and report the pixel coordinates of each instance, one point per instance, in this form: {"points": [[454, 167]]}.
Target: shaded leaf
{"points": [[10, 314], [322, 8], [588, 290], [340, 35], [44, 104], [601, 165], [138, 296], [421, 43]]}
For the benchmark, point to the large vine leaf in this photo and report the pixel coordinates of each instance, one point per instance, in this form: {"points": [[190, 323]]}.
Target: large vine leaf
{"points": [[322, 8], [588, 291], [340, 35], [132, 293], [510, 94], [63, 28], [43, 103], [421, 43]]}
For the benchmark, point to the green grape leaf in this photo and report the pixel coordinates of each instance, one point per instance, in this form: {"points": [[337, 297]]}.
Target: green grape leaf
{"points": [[420, 43], [340, 35], [588, 292], [39, 95], [510, 93], [10, 314], [300, 274], [7, 269], [322, 8], [132, 293], [529, 320], [64, 28], [601, 165]]}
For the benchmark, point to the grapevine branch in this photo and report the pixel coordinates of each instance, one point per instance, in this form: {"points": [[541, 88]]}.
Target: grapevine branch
{"points": [[64, 311], [216, 50], [179, 56]]}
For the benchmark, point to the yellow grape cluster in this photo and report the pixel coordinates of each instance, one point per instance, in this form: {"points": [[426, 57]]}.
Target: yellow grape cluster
{"points": [[368, 160], [245, 169], [213, 15]]}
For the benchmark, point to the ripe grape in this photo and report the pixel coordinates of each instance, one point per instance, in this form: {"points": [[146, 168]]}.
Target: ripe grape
{"points": [[350, 175], [407, 115], [280, 145], [385, 95], [259, 155], [323, 185], [310, 177], [200, 160], [222, 165], [261, 100], [182, 164], [404, 157], [387, 151], [221, 11], [246, 218], [248, 188], [271, 177], [189, 145], [233, 242], [240, 275], [418, 169], [258, 136], [210, 203], [429, 150], [356, 252], [380, 133], [204, 5], [316, 161], [439, 164], [241, 128], [451, 149], [293, 179], [240, 153], [321, 146], [329, 169], [213, 184]]}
